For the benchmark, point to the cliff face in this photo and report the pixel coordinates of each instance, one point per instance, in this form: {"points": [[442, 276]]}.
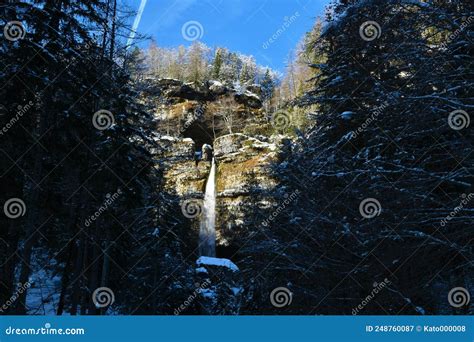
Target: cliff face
{"points": [[183, 175], [245, 184], [190, 116], [204, 111], [244, 180], [196, 123]]}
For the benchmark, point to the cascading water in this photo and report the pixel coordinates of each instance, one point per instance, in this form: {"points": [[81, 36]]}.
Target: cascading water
{"points": [[207, 232]]}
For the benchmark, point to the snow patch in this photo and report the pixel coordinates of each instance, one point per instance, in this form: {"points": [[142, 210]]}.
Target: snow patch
{"points": [[201, 270], [216, 83], [236, 290], [420, 310], [220, 262], [208, 293], [262, 145], [253, 95], [347, 115], [167, 137]]}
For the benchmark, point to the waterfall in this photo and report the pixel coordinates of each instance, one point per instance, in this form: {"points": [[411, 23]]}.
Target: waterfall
{"points": [[207, 232]]}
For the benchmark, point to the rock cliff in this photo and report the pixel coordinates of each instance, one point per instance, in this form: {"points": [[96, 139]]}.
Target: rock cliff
{"points": [[244, 179], [195, 124], [203, 111]]}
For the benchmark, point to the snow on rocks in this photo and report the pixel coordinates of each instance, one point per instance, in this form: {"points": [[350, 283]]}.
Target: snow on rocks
{"points": [[217, 87], [168, 138], [250, 99], [224, 292], [219, 262], [347, 115], [201, 270]]}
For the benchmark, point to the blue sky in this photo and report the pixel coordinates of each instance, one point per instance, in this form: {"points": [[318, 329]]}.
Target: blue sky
{"points": [[240, 25]]}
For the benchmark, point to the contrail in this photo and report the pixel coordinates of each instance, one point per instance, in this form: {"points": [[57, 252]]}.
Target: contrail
{"points": [[136, 23]]}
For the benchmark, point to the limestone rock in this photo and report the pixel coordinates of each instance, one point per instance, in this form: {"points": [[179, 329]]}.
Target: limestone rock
{"points": [[217, 88], [182, 175], [168, 82], [249, 99], [256, 89], [206, 152], [243, 170], [244, 179]]}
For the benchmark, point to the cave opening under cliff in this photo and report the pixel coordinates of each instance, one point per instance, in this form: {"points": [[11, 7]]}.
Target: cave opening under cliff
{"points": [[201, 134]]}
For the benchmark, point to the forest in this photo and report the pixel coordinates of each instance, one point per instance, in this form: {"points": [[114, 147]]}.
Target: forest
{"points": [[192, 180]]}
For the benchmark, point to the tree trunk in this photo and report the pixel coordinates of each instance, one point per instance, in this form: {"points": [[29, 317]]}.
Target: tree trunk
{"points": [[32, 191], [65, 278], [77, 274]]}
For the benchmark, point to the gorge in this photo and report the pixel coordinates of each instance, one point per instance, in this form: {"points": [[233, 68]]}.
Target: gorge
{"points": [[188, 175], [228, 176]]}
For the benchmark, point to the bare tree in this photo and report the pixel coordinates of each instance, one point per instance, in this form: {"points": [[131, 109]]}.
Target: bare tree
{"points": [[228, 113]]}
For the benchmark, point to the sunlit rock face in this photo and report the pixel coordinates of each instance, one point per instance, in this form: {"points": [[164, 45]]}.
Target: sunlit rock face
{"points": [[202, 111], [245, 184], [183, 176], [245, 181], [198, 122]]}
